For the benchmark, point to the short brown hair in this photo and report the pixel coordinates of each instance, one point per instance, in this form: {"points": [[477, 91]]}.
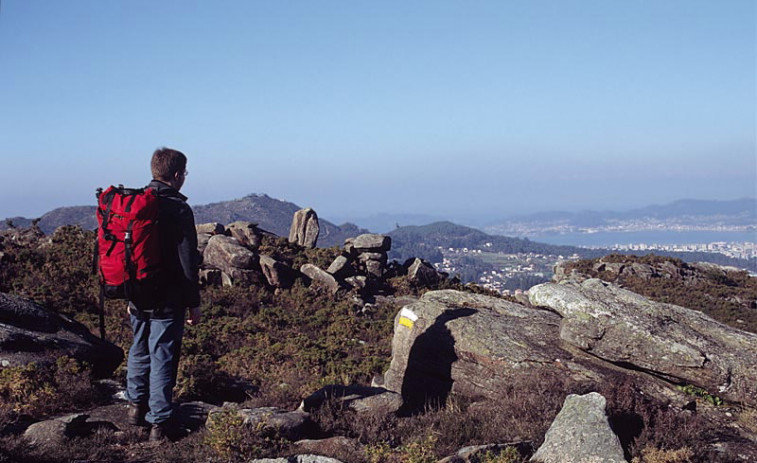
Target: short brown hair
{"points": [[166, 163]]}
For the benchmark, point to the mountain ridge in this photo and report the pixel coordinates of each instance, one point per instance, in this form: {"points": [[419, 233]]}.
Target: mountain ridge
{"points": [[744, 208], [270, 214]]}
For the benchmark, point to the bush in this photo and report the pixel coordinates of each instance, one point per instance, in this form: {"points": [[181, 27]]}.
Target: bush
{"points": [[40, 391]]}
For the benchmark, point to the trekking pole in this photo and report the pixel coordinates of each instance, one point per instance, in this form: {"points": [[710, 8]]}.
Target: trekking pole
{"points": [[95, 260]]}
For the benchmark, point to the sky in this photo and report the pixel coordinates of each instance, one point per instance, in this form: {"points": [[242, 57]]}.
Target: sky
{"points": [[447, 108]]}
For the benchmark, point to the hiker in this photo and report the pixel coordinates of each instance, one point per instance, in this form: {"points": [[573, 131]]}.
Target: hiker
{"points": [[158, 326]]}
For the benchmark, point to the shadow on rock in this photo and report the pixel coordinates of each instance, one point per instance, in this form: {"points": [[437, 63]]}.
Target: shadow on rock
{"points": [[428, 377]]}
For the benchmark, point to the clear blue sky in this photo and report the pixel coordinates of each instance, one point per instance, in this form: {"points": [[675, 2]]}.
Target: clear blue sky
{"points": [[451, 108]]}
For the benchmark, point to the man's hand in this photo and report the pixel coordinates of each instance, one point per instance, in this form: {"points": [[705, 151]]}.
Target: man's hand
{"points": [[195, 314]]}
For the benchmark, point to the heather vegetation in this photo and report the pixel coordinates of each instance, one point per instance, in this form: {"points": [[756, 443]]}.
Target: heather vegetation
{"points": [[260, 347]]}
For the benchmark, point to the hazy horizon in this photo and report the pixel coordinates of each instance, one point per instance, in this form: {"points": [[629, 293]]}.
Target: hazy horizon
{"points": [[355, 109]]}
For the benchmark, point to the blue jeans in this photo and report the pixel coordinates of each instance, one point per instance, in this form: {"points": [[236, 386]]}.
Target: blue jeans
{"points": [[153, 364]]}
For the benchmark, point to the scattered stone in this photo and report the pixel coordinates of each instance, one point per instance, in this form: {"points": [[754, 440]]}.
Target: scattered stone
{"points": [[340, 268], [239, 265], [51, 433], [358, 282], [374, 268], [370, 242], [225, 252], [247, 233], [360, 399], [278, 274], [422, 273], [213, 228], [477, 453], [320, 278], [305, 228], [242, 277], [349, 247], [298, 459], [271, 421], [581, 434], [369, 256], [342, 447]]}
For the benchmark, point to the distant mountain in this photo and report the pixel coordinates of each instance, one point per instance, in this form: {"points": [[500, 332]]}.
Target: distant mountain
{"points": [[744, 208], [270, 214], [84, 216], [740, 214]]}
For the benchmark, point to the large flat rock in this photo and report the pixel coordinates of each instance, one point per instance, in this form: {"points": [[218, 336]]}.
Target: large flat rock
{"points": [[681, 345], [32, 333]]}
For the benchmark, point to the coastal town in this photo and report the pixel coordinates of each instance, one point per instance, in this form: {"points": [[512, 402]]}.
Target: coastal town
{"points": [[515, 273], [742, 250]]}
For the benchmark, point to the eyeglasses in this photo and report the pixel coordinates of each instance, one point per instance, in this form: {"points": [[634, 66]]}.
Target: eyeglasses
{"points": [[186, 172]]}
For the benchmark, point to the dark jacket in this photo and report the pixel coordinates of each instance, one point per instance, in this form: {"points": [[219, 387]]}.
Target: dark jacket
{"points": [[180, 258]]}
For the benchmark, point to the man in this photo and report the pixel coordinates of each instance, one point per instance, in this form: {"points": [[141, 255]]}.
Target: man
{"points": [[158, 328]]}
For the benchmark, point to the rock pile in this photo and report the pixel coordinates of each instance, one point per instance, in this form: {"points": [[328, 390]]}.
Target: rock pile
{"points": [[363, 264], [231, 257]]}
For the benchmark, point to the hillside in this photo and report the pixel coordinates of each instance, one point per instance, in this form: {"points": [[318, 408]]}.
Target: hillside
{"points": [[269, 213]]}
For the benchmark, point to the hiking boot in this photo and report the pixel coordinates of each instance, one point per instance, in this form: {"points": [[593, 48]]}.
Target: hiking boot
{"points": [[135, 414], [158, 432]]}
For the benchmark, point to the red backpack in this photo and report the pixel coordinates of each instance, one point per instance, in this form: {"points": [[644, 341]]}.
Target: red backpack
{"points": [[128, 244]]}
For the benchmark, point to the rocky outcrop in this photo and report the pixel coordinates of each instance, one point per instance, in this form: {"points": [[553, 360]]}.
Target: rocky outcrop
{"points": [[681, 345], [305, 228], [212, 228], [276, 273], [231, 258], [370, 252], [421, 273], [247, 233], [320, 278], [581, 433], [238, 264], [31, 333], [340, 267], [450, 341]]}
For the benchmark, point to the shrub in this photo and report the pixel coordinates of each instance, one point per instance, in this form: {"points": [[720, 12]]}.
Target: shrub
{"points": [[653, 455]]}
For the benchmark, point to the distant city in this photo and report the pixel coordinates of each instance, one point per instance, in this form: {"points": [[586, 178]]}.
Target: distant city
{"points": [[744, 250], [515, 273], [612, 226]]}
